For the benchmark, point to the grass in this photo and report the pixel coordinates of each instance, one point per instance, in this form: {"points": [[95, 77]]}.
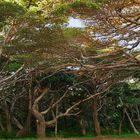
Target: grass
{"points": [[66, 136], [124, 136]]}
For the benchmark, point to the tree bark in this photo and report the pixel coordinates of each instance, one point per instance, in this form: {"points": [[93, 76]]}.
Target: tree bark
{"points": [[95, 118], [41, 129], [40, 123], [40, 120]]}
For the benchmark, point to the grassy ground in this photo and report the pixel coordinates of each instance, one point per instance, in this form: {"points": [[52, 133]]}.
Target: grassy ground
{"points": [[76, 136], [89, 137]]}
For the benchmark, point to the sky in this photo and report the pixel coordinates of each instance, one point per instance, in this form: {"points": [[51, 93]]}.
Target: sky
{"points": [[75, 23]]}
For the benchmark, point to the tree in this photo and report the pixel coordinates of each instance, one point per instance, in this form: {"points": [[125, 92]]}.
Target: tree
{"points": [[95, 55]]}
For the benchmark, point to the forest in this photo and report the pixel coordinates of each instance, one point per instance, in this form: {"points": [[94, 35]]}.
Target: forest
{"points": [[58, 80]]}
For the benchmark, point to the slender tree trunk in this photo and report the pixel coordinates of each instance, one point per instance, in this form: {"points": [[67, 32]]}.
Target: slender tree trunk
{"points": [[95, 118], [65, 118], [2, 127], [138, 113], [8, 117], [83, 126], [121, 122], [17, 123], [132, 124], [56, 124], [1, 50], [56, 128]]}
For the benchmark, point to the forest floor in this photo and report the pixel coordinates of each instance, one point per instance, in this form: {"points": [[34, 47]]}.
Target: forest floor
{"points": [[104, 137]]}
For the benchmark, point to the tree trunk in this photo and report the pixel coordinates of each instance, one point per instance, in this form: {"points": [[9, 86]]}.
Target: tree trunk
{"points": [[95, 118], [121, 122], [138, 113], [2, 127], [83, 126], [41, 129], [1, 49], [56, 127], [8, 117], [24, 131], [56, 124], [65, 118], [40, 120], [132, 124], [40, 123]]}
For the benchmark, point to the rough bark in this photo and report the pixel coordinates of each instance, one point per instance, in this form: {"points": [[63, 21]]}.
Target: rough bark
{"points": [[41, 128]]}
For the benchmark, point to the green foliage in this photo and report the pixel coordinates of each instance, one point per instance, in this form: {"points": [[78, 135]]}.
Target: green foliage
{"points": [[78, 6], [6, 135], [58, 80], [9, 10], [12, 66], [133, 100], [62, 9], [84, 4], [28, 3], [72, 32]]}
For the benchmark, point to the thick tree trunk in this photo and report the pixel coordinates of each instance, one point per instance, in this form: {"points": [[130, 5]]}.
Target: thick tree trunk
{"points": [[40, 120], [24, 131], [41, 129], [95, 118], [40, 123]]}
